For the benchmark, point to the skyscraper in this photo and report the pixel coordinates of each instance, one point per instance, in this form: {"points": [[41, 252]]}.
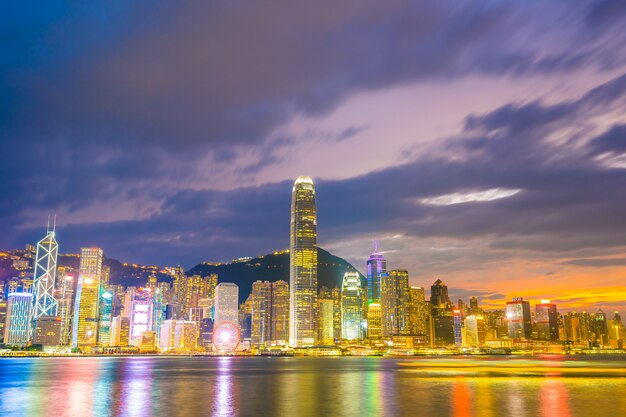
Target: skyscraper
{"points": [[65, 295], [474, 330], [17, 325], [518, 317], [44, 303], [376, 266], [439, 294], [303, 264], [458, 326], [417, 311], [394, 296], [261, 313], [226, 303], [325, 321], [547, 320], [280, 313], [85, 324], [141, 314], [351, 306], [104, 321]]}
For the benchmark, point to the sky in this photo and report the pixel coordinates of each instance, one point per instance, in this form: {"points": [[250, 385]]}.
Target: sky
{"points": [[483, 143]]}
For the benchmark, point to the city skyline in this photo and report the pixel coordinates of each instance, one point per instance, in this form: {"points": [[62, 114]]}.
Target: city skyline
{"points": [[480, 144]]}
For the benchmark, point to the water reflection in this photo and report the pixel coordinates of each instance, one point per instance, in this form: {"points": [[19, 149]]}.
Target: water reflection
{"points": [[171, 386]]}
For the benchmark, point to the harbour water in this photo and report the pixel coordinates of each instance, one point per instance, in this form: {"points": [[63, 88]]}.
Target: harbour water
{"points": [[310, 386]]}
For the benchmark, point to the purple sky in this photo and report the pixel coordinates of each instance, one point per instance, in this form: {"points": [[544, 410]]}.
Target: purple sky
{"points": [[480, 142]]}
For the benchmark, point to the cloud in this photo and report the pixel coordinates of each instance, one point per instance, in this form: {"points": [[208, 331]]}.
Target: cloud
{"points": [[596, 262], [470, 196]]}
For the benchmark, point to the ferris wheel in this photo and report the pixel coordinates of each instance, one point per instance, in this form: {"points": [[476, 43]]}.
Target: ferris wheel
{"points": [[226, 337]]}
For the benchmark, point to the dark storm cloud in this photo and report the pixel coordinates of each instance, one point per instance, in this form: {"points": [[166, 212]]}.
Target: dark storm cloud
{"points": [[124, 102], [567, 205]]}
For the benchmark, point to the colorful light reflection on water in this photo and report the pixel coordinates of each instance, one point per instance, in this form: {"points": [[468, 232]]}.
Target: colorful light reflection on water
{"points": [[359, 386]]}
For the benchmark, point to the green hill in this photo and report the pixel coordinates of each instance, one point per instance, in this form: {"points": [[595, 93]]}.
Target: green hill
{"points": [[274, 267]]}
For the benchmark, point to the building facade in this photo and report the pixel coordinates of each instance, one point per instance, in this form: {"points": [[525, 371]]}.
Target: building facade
{"points": [[303, 265]]}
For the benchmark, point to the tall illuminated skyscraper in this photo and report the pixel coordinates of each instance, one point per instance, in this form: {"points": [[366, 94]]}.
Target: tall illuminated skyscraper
{"points": [[104, 322], [85, 324], [547, 320], [261, 313], [303, 264], [280, 313], [351, 306], [65, 294], [394, 297], [376, 266], [44, 303], [141, 314], [518, 318]]}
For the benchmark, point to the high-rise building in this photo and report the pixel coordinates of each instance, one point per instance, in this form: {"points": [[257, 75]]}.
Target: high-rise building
{"points": [[518, 318], [303, 264], [261, 313], [374, 321], [547, 320], [120, 331], [141, 314], [352, 306], [601, 328], [86, 317], [394, 297], [65, 298], [186, 336], [475, 330], [326, 321], [17, 325], [457, 315], [439, 294], [417, 311], [104, 321], [226, 303], [45, 271], [280, 313], [376, 266]]}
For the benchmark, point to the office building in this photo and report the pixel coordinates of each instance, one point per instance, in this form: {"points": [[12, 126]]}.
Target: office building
{"points": [[87, 302], [352, 297], [45, 271], [376, 266], [226, 303], [547, 320], [17, 324], [394, 296], [518, 318], [303, 264]]}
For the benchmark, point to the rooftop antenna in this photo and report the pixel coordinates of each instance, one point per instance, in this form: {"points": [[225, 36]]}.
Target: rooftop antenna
{"points": [[375, 245], [54, 227], [48, 226]]}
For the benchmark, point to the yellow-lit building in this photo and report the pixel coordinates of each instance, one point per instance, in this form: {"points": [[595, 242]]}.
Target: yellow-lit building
{"points": [[326, 322], [374, 321], [303, 265], [85, 325]]}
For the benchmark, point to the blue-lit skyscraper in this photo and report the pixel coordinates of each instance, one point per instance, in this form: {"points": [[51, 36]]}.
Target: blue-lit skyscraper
{"points": [[104, 321], [376, 266], [17, 325]]}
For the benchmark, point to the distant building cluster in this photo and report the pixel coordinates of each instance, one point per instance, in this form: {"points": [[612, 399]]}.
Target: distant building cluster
{"points": [[62, 309]]}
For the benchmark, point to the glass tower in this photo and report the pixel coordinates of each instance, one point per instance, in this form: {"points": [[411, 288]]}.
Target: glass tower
{"points": [[44, 303], [303, 265], [351, 306], [376, 266]]}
